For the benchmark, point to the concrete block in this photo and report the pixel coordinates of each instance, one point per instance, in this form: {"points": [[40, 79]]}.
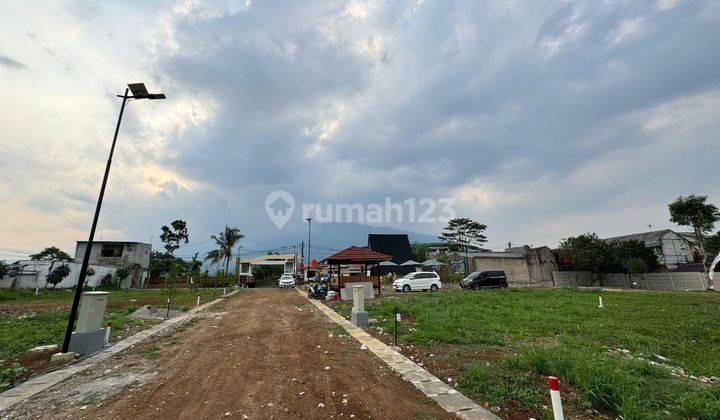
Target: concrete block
{"points": [[346, 292], [476, 414], [87, 342], [454, 402], [63, 357], [436, 387], [359, 318]]}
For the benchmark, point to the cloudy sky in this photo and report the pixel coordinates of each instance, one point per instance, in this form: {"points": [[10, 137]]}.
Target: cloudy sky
{"points": [[542, 119]]}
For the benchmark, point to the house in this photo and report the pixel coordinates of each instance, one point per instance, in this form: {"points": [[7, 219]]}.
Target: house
{"points": [[523, 266], [395, 245], [133, 255], [671, 248]]}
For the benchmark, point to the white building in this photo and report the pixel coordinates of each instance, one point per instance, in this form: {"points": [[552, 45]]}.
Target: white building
{"points": [[133, 255], [29, 274], [671, 248]]}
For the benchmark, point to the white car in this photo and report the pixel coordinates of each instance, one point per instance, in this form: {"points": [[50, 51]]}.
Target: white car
{"points": [[420, 280], [286, 280]]}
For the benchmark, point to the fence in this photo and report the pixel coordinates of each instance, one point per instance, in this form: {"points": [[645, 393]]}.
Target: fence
{"points": [[647, 281]]}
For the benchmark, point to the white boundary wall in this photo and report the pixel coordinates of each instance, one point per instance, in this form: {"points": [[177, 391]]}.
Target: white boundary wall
{"points": [[35, 275], [647, 281]]}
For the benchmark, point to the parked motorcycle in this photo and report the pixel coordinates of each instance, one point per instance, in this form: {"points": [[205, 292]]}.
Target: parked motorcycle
{"points": [[317, 291]]}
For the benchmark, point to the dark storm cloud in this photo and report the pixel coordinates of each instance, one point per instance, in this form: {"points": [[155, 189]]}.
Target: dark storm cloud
{"points": [[420, 101]]}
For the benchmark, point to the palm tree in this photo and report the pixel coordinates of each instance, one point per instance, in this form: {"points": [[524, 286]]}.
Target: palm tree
{"points": [[226, 241], [213, 256]]}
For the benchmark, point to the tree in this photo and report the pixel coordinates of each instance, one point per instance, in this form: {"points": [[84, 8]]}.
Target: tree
{"points": [[712, 245], [161, 263], [419, 251], [635, 265], [51, 253], [213, 256], [3, 270], [465, 233], [58, 274], [226, 241], [632, 249], [174, 236], [587, 252], [693, 211]]}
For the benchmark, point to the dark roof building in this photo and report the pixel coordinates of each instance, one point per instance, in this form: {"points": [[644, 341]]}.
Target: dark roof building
{"points": [[395, 245]]}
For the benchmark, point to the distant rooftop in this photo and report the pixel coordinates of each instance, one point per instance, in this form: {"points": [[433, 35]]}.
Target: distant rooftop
{"points": [[651, 238], [115, 242]]}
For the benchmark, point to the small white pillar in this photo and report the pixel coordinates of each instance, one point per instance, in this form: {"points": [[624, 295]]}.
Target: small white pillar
{"points": [[358, 316]]}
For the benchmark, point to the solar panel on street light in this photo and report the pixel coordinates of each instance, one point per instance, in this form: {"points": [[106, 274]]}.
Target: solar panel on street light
{"points": [[138, 90]]}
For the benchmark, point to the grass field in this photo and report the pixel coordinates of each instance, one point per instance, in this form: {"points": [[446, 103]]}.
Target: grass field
{"points": [[500, 344], [27, 321]]}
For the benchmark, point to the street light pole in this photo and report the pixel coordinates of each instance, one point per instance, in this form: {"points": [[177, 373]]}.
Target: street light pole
{"points": [[309, 220], [139, 92]]}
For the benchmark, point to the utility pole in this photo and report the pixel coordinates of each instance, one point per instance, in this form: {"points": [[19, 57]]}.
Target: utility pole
{"points": [[302, 255], [309, 220]]}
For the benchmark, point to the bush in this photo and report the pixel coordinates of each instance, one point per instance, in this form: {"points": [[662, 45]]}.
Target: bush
{"points": [[122, 273], [3, 270], [107, 280], [58, 274], [12, 375], [451, 277]]}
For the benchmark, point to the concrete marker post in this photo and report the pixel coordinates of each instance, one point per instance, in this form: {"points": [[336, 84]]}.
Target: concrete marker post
{"points": [[397, 319], [555, 397], [198, 301], [107, 332], [600, 304]]}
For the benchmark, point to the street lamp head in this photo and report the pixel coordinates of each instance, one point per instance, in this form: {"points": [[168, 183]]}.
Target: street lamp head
{"points": [[139, 91]]}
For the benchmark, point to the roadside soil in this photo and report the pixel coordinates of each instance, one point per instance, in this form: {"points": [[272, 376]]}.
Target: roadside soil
{"points": [[265, 353]]}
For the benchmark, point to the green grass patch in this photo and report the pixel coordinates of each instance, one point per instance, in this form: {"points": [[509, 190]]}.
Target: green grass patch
{"points": [[21, 330], [562, 332]]}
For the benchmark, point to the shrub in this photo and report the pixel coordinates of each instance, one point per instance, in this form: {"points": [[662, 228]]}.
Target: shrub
{"points": [[3, 270], [122, 273], [451, 277], [107, 280], [12, 375], [58, 274]]}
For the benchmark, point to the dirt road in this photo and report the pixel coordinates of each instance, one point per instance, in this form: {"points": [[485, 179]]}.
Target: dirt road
{"points": [[264, 354]]}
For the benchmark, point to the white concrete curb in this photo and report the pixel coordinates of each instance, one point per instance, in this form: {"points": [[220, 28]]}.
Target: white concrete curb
{"points": [[444, 395], [42, 382]]}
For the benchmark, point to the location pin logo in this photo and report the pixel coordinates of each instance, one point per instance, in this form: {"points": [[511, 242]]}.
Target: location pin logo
{"points": [[279, 206]]}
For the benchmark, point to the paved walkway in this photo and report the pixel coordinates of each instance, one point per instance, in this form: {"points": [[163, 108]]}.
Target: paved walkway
{"points": [[445, 396]]}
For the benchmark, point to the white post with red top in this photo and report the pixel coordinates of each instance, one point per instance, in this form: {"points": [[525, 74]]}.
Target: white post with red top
{"points": [[555, 397]]}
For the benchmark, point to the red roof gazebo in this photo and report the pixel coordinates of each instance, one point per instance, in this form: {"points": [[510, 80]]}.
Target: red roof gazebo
{"points": [[356, 255]]}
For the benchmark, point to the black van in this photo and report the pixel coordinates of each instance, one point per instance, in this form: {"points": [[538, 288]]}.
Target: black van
{"points": [[484, 279]]}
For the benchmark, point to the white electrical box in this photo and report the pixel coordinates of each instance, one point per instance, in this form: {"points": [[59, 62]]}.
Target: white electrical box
{"points": [[92, 311]]}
